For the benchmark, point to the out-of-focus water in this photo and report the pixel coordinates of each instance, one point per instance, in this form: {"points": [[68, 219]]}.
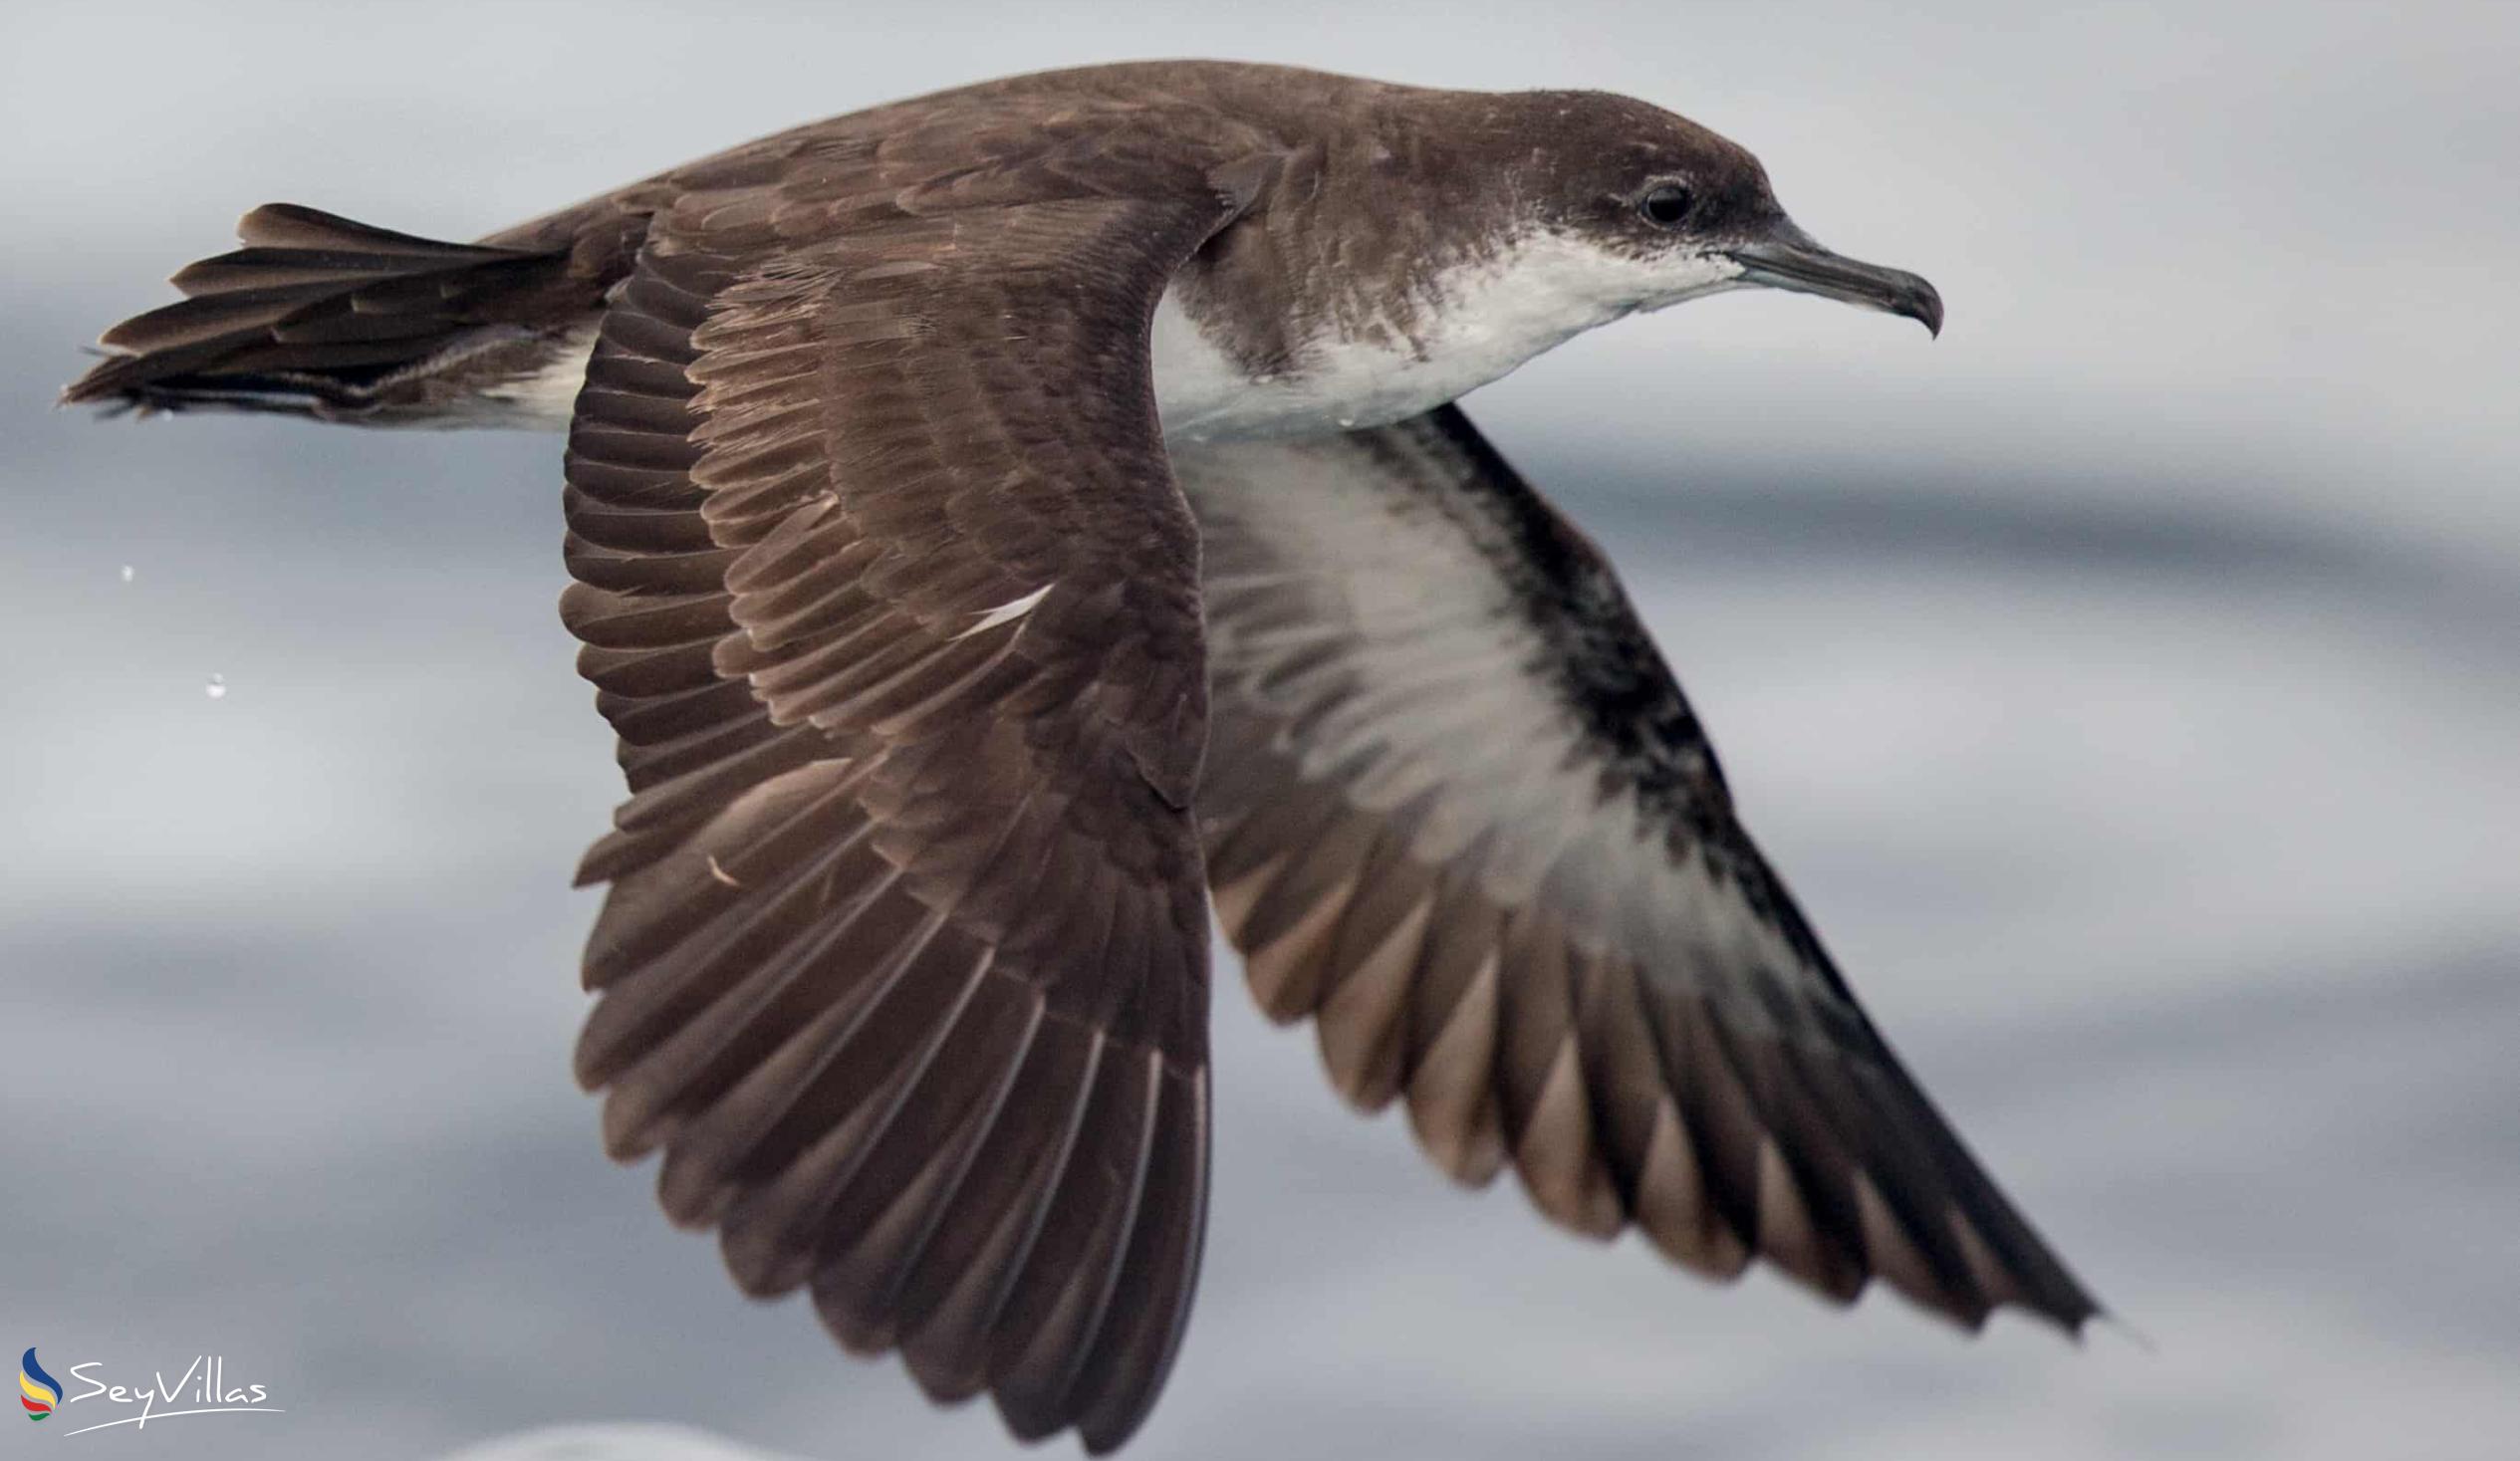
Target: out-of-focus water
{"points": [[2128, 683]]}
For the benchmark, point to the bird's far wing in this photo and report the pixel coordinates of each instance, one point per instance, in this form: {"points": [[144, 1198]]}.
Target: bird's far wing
{"points": [[890, 597], [1457, 811]]}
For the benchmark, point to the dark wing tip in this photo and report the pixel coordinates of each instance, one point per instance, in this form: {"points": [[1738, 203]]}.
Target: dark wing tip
{"points": [[106, 384], [1622, 1093]]}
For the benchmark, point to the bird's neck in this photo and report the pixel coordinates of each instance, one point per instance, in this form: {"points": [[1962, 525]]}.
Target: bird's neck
{"points": [[1311, 334]]}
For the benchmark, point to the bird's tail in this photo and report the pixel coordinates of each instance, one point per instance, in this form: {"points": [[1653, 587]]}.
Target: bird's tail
{"points": [[318, 316]]}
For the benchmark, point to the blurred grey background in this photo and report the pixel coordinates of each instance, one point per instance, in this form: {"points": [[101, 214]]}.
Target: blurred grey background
{"points": [[2129, 682]]}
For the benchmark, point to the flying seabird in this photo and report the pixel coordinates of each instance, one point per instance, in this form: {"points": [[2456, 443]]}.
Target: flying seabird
{"points": [[1006, 521]]}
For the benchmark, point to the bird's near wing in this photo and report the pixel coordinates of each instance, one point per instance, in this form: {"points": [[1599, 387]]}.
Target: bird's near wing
{"points": [[1457, 811], [888, 592]]}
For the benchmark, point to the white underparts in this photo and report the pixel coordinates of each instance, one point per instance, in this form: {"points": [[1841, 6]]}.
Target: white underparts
{"points": [[1476, 322], [547, 397]]}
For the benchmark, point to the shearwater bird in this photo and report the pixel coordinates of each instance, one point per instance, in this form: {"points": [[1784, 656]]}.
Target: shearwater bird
{"points": [[1006, 521]]}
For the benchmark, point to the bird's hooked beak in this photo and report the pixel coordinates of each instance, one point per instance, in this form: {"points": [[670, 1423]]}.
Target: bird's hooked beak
{"points": [[1792, 258]]}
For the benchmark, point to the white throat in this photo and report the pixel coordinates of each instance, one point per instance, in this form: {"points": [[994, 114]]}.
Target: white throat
{"points": [[1479, 321]]}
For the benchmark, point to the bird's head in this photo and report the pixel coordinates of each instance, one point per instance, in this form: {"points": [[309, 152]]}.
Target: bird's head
{"points": [[1668, 211]]}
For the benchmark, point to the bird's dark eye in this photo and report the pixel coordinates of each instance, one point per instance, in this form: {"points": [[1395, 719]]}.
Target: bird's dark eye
{"points": [[1666, 204]]}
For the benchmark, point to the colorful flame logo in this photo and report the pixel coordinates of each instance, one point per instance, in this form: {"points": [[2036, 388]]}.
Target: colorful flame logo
{"points": [[37, 1391]]}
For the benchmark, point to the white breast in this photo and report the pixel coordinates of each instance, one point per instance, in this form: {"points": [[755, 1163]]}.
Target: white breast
{"points": [[1482, 320]]}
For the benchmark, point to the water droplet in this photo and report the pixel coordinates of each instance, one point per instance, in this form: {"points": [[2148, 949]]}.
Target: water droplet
{"points": [[216, 689], [129, 573], [1346, 424]]}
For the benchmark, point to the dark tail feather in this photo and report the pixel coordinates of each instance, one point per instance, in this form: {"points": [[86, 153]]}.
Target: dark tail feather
{"points": [[322, 317]]}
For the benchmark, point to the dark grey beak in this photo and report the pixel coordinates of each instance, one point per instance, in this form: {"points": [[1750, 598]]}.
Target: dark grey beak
{"points": [[1794, 260]]}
